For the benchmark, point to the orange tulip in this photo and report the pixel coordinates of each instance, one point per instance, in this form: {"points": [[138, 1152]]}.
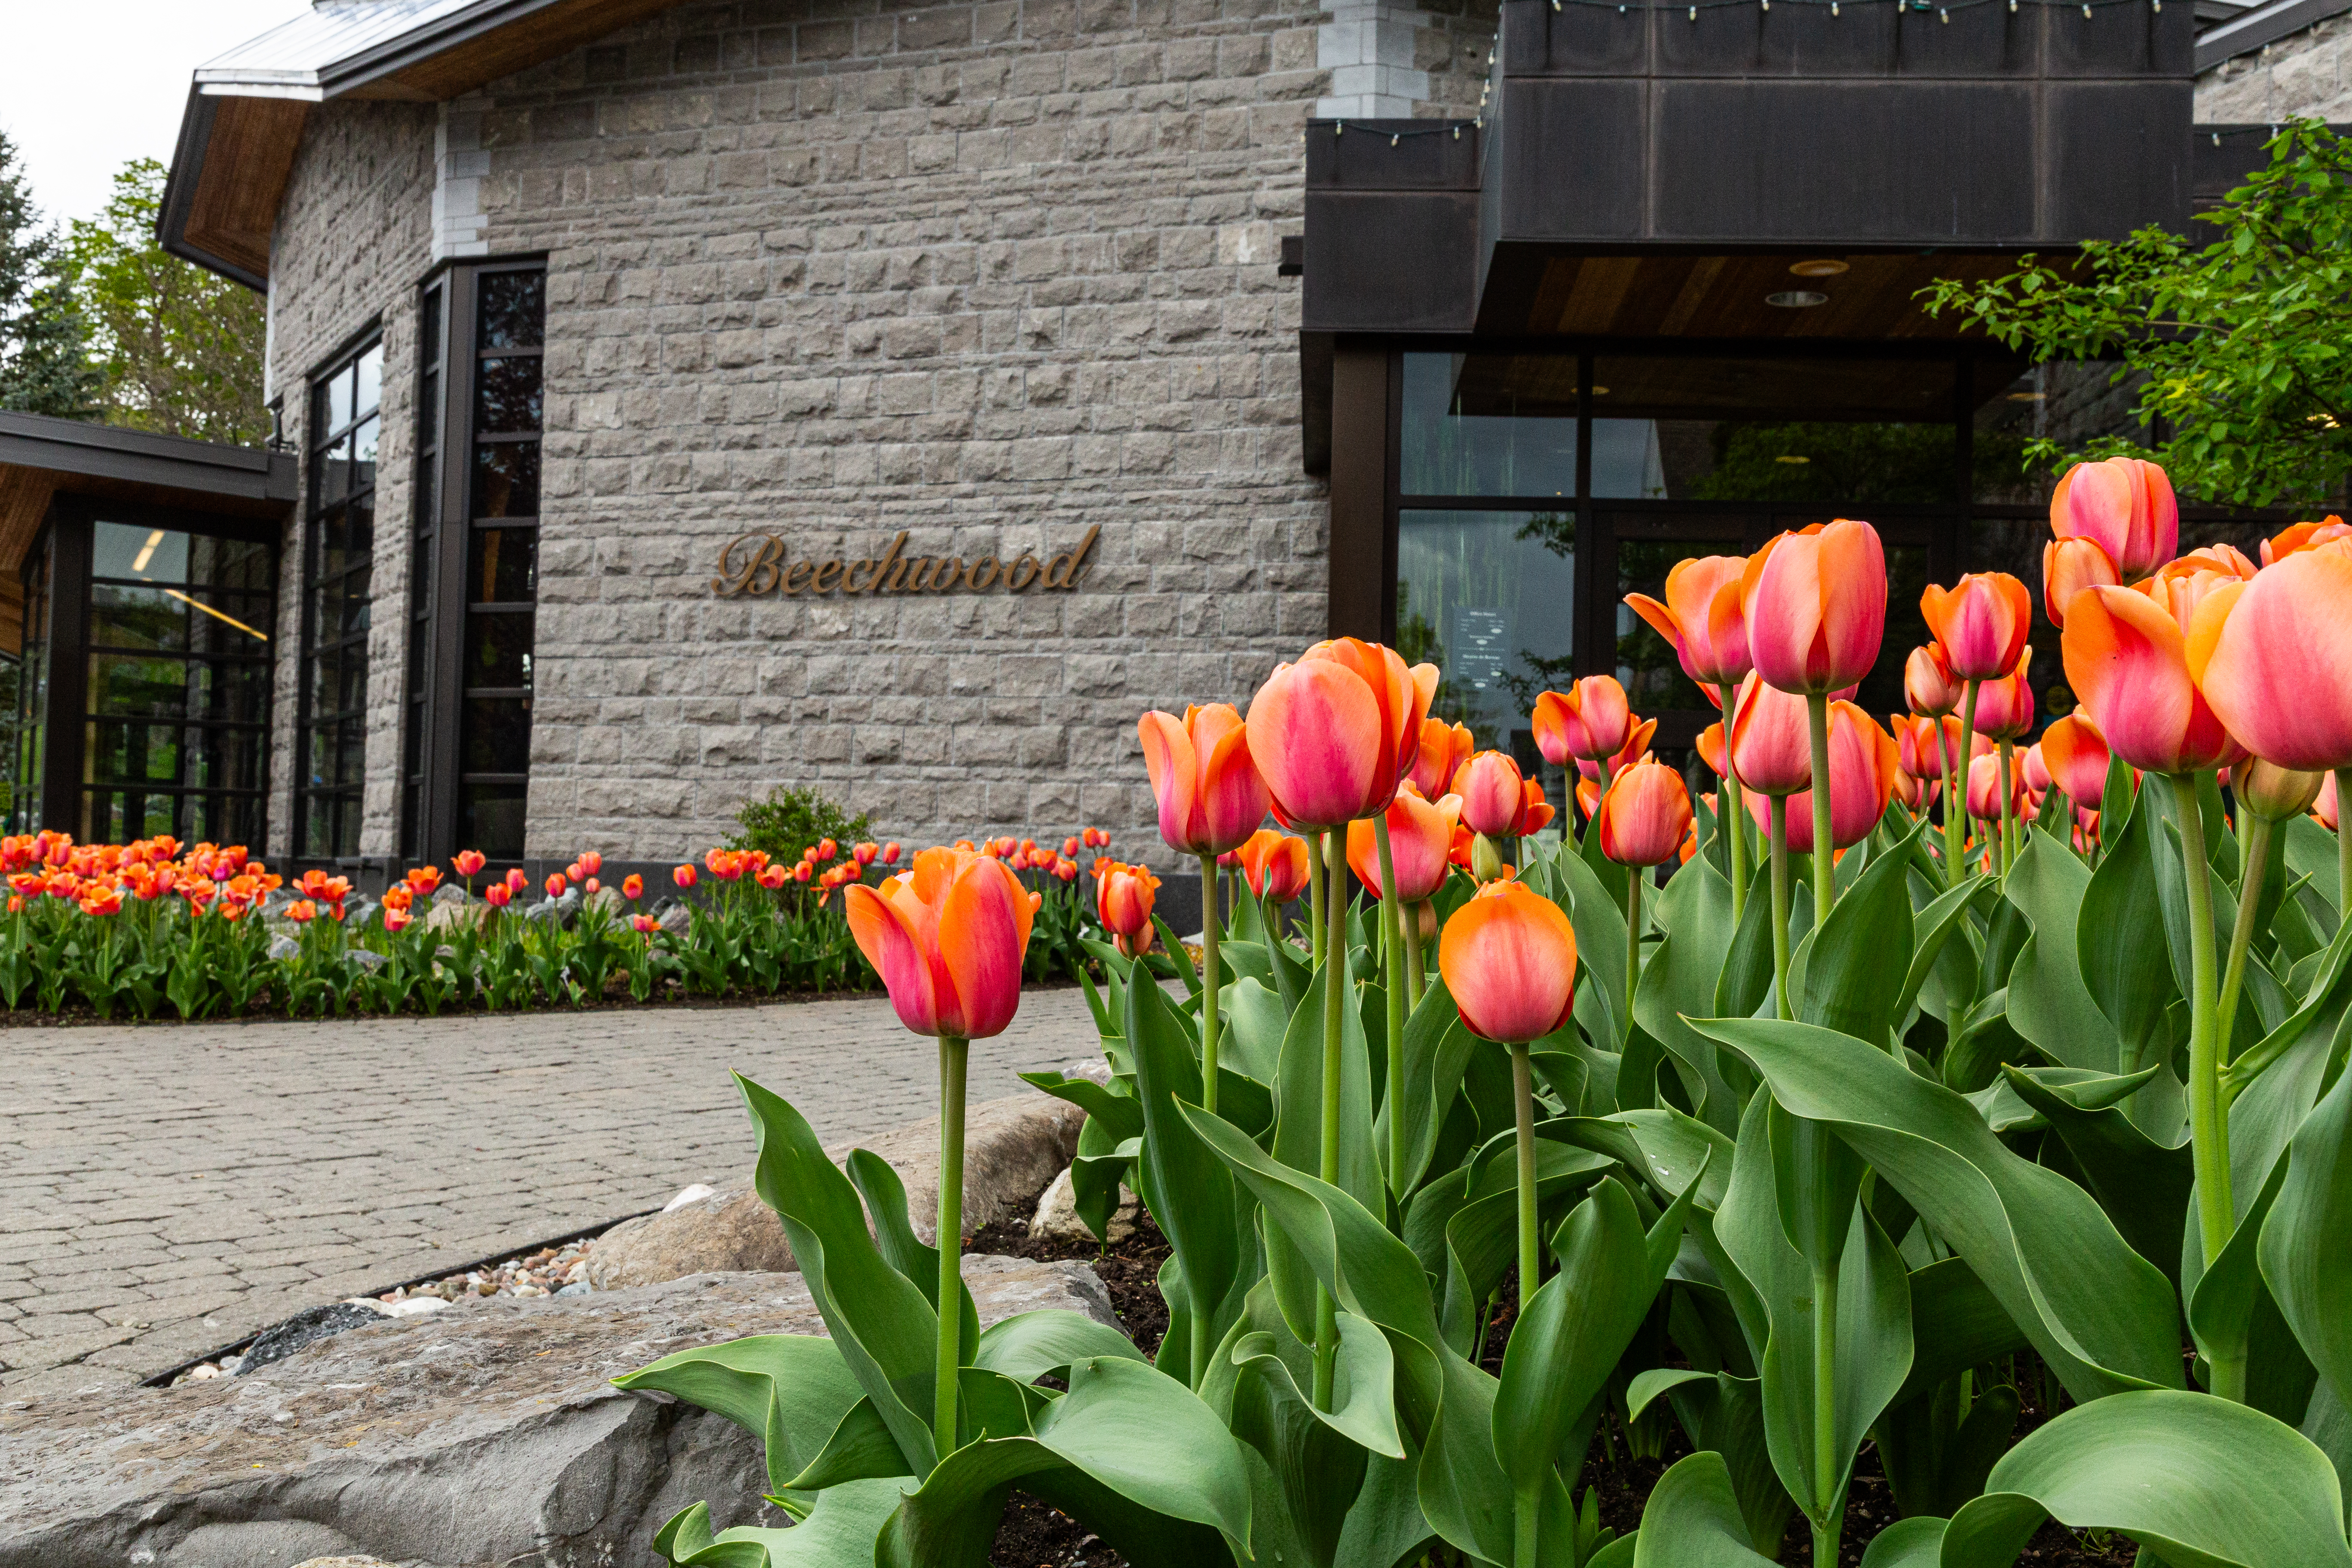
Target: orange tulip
{"points": [[2036, 769], [633, 887], [1421, 836], [470, 862], [948, 938], [1645, 815], [1635, 749], [1984, 790], [301, 912], [1980, 623], [2076, 755], [1916, 740], [1123, 900], [2127, 661], [1864, 766], [2298, 536], [1590, 720], [2069, 567], [1274, 865], [2275, 658], [1771, 741], [1928, 684], [1210, 797], [1816, 608], [2005, 707], [1508, 957], [1588, 801], [555, 886], [2323, 804], [422, 879], [2125, 505], [1703, 618], [1492, 795], [1535, 812], [498, 895], [1334, 735], [1710, 749], [1444, 749]]}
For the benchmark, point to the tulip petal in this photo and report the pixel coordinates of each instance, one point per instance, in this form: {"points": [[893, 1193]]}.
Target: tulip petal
{"points": [[1175, 778], [2127, 660], [2274, 656], [984, 935], [1508, 957], [888, 939], [1314, 732]]}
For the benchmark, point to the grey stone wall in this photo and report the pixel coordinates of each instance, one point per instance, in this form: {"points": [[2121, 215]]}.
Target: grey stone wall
{"points": [[2309, 73], [990, 274], [352, 241]]}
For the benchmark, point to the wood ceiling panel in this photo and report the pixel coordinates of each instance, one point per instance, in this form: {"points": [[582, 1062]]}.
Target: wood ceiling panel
{"points": [[1684, 296], [24, 502], [246, 163]]}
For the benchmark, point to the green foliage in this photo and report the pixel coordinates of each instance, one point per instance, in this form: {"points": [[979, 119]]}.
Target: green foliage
{"points": [[44, 338], [2242, 347], [794, 818], [180, 348]]}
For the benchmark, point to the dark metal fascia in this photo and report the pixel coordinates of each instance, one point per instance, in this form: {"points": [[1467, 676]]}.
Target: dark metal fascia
{"points": [[2244, 34], [141, 456]]}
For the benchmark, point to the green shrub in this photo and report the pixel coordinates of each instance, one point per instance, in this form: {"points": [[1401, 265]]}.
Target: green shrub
{"points": [[793, 817]]}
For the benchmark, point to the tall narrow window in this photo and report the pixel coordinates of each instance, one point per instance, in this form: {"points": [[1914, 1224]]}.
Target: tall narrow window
{"points": [[431, 356], [330, 758], [468, 767]]}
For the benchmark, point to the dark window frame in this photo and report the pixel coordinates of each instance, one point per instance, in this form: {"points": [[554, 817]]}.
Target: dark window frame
{"points": [[437, 784], [346, 802]]}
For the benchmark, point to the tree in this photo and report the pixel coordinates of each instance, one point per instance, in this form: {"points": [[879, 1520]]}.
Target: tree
{"points": [[44, 338], [2240, 346], [180, 348]]}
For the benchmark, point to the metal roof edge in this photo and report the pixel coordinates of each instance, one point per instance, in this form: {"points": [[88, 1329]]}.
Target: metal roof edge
{"points": [[423, 43], [115, 452], [2265, 24]]}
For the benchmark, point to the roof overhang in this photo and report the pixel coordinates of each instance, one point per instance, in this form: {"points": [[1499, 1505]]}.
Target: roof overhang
{"points": [[40, 456], [247, 111]]}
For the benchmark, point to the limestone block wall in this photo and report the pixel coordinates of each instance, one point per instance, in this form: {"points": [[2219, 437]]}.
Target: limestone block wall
{"points": [[990, 275], [2309, 73]]}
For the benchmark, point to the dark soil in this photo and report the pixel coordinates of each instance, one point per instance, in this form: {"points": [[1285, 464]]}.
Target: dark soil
{"points": [[1129, 1269]]}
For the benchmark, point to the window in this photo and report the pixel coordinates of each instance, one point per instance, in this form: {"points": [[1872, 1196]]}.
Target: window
{"points": [[467, 762], [331, 758], [144, 699]]}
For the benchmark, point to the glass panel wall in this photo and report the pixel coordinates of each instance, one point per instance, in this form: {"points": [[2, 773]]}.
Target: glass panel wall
{"points": [[1489, 598], [504, 416], [32, 692], [330, 760]]}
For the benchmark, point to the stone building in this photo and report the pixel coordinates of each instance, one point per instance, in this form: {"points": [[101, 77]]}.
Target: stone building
{"points": [[680, 397]]}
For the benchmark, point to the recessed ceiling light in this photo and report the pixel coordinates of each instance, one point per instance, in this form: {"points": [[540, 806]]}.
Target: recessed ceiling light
{"points": [[2027, 396], [1599, 391], [1795, 299], [1789, 457], [1823, 267]]}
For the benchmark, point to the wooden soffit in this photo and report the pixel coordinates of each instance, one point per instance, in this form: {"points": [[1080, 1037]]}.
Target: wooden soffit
{"points": [[1861, 297]]}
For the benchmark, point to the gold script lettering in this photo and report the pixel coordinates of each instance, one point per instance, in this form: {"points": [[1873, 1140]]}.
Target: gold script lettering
{"points": [[1064, 571], [761, 557], [826, 572]]}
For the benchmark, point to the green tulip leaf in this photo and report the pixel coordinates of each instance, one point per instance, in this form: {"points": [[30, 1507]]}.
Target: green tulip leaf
{"points": [[859, 1449], [2101, 1316], [2199, 1482], [1570, 1337], [1363, 1381], [839, 1532], [1030, 1345], [894, 1234], [2305, 1244], [2143, 1185], [1857, 964], [1598, 913], [1956, 1325], [881, 1322], [790, 1390], [1692, 1520], [1678, 981], [2311, 854], [1932, 925], [1255, 1018], [2048, 1003], [2127, 973], [1121, 1114], [1437, 1048], [1189, 1192]]}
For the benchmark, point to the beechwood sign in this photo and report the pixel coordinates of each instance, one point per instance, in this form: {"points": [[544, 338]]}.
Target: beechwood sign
{"points": [[756, 563]]}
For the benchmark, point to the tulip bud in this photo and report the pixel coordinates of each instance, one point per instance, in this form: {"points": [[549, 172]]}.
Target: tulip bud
{"points": [[1493, 798], [1929, 685], [2123, 504], [2272, 792], [1486, 861]]}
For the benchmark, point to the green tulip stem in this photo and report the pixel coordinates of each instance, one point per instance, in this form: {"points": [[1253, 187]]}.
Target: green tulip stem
{"points": [[1729, 820], [2342, 843], [1955, 796], [2008, 851], [1336, 985], [1209, 890], [1829, 1514], [2256, 850], [1315, 896], [1526, 1507], [1635, 876], [952, 1052], [1523, 1097], [1817, 720], [1415, 980], [1393, 940], [1952, 803], [1781, 903], [2209, 1125]]}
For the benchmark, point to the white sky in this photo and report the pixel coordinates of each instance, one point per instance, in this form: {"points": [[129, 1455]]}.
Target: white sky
{"points": [[87, 86]]}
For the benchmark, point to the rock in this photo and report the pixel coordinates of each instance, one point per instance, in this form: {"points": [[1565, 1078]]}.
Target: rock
{"points": [[453, 915], [674, 915], [1011, 1147], [607, 900], [344, 1563], [365, 958], [485, 1436], [307, 1328], [283, 947], [1057, 1218], [414, 1307], [686, 1195]]}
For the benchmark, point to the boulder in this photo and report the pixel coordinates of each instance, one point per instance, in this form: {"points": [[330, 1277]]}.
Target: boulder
{"points": [[488, 1434], [1056, 1218], [1011, 1147]]}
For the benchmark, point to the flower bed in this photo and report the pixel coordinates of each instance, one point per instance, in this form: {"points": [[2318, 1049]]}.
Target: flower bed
{"points": [[159, 930]]}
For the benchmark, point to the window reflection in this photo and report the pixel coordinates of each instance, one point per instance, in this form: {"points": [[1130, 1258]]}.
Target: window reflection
{"points": [[1489, 425], [1488, 597]]}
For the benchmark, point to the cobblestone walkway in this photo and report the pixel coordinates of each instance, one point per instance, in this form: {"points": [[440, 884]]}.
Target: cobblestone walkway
{"points": [[169, 1189]]}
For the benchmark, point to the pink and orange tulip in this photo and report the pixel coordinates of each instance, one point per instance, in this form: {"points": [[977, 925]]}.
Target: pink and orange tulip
{"points": [[2069, 567], [1645, 815], [1772, 744], [2127, 661], [2274, 658], [1815, 603], [1335, 733], [1703, 618], [2075, 755], [2298, 536], [2005, 707], [1444, 749], [1492, 795], [1929, 687], [1210, 794], [1984, 791], [1420, 840], [2126, 506], [1123, 899], [947, 936], [1865, 767], [1980, 623], [1588, 721], [1274, 865], [1508, 957]]}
